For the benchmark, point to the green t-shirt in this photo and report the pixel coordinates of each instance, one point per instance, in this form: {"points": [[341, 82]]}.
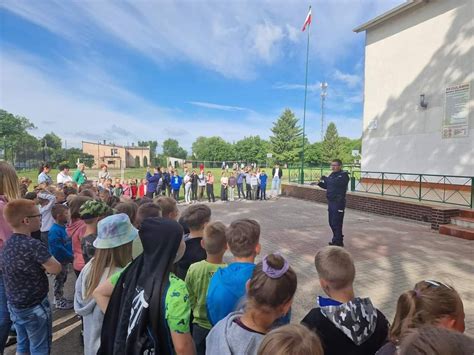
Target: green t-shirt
{"points": [[177, 306], [197, 280]]}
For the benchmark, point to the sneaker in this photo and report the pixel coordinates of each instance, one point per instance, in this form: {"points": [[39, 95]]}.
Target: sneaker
{"points": [[64, 304], [337, 244]]}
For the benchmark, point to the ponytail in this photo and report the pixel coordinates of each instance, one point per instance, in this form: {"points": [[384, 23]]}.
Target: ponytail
{"points": [[426, 304]]}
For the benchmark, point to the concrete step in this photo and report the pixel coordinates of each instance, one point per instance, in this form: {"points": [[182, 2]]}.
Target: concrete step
{"points": [[463, 222], [467, 213], [456, 231]]}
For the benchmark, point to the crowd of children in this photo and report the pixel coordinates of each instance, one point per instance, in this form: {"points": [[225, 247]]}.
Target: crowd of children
{"points": [[148, 282]]}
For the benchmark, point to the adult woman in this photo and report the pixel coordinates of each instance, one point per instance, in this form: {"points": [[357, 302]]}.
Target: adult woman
{"points": [[43, 177], [80, 176], [113, 244], [9, 190]]}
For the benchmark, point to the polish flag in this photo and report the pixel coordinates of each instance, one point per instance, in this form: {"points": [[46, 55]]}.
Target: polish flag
{"points": [[307, 22]]}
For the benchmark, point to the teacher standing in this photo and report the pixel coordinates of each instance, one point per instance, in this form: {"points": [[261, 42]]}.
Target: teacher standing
{"points": [[336, 186]]}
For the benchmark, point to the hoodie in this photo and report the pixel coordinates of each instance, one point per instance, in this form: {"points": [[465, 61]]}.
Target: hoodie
{"points": [[352, 328], [91, 314], [76, 231], [226, 289], [229, 338]]}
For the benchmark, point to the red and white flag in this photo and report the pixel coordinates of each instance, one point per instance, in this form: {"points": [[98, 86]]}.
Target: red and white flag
{"points": [[307, 22]]}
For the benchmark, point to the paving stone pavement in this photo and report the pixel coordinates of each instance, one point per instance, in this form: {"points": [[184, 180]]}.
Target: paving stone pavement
{"points": [[390, 254]]}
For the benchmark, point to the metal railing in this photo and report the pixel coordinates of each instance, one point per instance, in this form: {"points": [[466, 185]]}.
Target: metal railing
{"points": [[449, 189], [313, 174]]}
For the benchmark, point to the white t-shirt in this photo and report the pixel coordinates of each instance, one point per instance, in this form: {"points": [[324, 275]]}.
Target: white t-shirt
{"points": [[63, 178], [277, 170]]}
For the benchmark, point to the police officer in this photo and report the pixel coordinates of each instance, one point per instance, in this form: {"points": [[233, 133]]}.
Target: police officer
{"points": [[336, 186]]}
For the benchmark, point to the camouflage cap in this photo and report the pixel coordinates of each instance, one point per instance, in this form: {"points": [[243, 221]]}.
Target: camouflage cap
{"points": [[93, 209]]}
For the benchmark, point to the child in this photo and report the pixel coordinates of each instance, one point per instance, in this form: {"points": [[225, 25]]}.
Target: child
{"points": [[127, 191], [176, 182], [263, 185], [196, 217], [436, 341], [117, 190], [169, 208], [254, 185], [187, 188], [270, 294], [231, 187], [131, 324], [346, 324], [429, 303], [142, 188], [248, 187], [198, 278], [60, 247], [134, 189], [224, 184], [91, 212], [76, 230], [201, 184], [210, 187], [24, 261], [114, 251], [292, 339], [194, 186], [227, 286], [46, 201], [240, 184]]}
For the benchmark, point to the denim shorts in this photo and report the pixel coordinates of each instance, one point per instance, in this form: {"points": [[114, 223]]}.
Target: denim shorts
{"points": [[33, 328]]}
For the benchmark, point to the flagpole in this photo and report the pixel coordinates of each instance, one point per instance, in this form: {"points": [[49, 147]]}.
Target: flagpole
{"points": [[304, 109]]}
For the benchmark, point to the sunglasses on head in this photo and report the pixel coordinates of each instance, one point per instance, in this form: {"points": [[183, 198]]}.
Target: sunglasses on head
{"points": [[433, 283]]}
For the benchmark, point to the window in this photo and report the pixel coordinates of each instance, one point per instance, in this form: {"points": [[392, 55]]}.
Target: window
{"points": [[113, 152]]}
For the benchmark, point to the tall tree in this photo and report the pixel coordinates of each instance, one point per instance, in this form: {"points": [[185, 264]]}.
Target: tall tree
{"points": [[171, 148], [14, 133], [213, 149], [51, 141], [251, 149], [286, 138], [332, 145]]}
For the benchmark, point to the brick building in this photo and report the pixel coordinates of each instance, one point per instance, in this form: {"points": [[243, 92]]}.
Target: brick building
{"points": [[117, 156]]}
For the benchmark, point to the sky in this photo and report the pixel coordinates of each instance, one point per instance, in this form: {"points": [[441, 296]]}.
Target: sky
{"points": [[125, 71]]}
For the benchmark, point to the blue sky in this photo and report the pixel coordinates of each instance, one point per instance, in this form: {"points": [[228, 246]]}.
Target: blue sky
{"points": [[127, 71]]}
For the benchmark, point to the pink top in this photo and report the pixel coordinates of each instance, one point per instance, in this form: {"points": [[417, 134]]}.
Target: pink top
{"points": [[76, 231], [210, 179], [5, 230], [127, 191]]}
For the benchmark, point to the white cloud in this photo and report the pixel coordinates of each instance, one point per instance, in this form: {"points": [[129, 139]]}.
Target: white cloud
{"points": [[232, 38], [217, 106], [351, 80], [286, 86], [79, 115]]}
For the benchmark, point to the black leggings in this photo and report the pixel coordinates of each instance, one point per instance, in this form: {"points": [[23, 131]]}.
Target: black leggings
{"points": [[210, 193]]}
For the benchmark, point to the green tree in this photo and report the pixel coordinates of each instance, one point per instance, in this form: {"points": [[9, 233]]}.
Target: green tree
{"points": [[153, 146], [312, 155], [52, 141], [14, 133], [251, 149], [286, 138], [171, 148], [212, 149], [332, 145]]}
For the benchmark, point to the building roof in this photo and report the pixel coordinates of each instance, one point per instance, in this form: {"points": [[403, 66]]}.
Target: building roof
{"points": [[407, 5], [117, 145]]}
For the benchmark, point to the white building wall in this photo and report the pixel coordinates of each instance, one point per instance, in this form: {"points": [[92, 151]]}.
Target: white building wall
{"points": [[421, 51]]}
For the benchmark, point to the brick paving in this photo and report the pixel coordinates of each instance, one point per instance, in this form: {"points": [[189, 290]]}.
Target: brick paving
{"points": [[391, 255]]}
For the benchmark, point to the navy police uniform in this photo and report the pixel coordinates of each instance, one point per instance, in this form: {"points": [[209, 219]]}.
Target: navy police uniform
{"points": [[336, 187]]}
